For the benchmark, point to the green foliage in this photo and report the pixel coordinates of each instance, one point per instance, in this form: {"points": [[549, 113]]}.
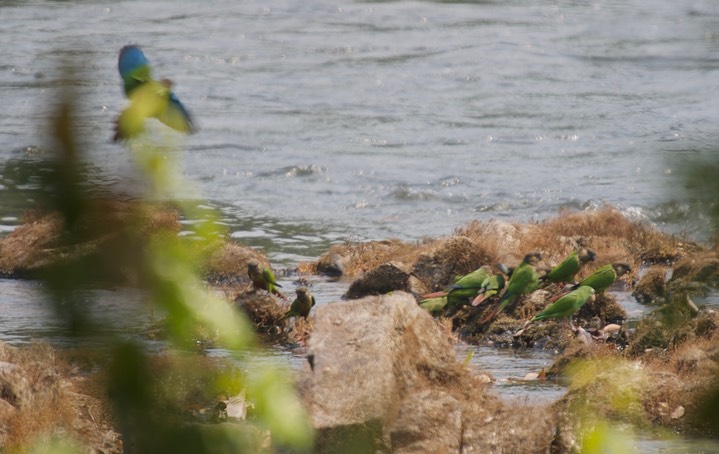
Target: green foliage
{"points": [[602, 392], [701, 179], [148, 404], [702, 185]]}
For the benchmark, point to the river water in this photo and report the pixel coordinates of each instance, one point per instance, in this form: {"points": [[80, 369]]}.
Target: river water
{"points": [[327, 121], [323, 120]]}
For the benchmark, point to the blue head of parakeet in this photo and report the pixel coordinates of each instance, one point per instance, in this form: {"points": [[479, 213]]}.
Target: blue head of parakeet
{"points": [[134, 68], [131, 58]]}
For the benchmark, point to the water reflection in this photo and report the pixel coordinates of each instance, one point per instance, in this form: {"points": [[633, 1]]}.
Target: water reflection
{"points": [[26, 314]]}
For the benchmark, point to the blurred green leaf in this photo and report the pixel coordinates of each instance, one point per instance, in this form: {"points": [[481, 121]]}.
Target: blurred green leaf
{"points": [[111, 246]]}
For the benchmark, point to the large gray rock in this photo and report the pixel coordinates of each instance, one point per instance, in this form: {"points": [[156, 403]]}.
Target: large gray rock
{"points": [[383, 377], [428, 421], [366, 355]]}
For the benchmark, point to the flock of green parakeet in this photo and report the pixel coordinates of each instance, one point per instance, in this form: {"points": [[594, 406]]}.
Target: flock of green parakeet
{"points": [[264, 279], [150, 98], [484, 287]]}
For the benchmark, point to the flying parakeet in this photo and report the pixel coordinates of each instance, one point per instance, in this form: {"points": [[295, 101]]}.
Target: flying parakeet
{"points": [[149, 98], [524, 280], [302, 305], [570, 266], [604, 277], [263, 279]]}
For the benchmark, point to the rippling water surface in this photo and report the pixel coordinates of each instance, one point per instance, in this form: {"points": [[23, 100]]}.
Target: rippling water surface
{"points": [[322, 121]]}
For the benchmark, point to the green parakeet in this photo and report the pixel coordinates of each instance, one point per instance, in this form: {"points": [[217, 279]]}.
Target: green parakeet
{"points": [[567, 305], [302, 305], [465, 287], [563, 307], [490, 287], [604, 277], [570, 266], [524, 280], [263, 278], [434, 306]]}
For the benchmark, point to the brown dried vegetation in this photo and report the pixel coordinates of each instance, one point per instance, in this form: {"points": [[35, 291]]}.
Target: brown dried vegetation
{"points": [[611, 235], [46, 395]]}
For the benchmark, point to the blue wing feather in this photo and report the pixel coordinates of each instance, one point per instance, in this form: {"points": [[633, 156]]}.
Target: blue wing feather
{"points": [[176, 116]]}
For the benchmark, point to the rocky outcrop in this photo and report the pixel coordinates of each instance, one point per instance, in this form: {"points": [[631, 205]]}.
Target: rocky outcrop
{"points": [[42, 241], [651, 287], [385, 278], [28, 248], [383, 376], [227, 265], [454, 256], [38, 397]]}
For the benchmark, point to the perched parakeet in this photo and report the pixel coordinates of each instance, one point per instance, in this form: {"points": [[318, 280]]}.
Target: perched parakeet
{"points": [[604, 277], [567, 305], [434, 306], [263, 278], [490, 287], [563, 307], [524, 280], [302, 305], [570, 266], [466, 286], [149, 98]]}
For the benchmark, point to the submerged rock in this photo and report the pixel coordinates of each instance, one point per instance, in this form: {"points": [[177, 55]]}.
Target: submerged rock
{"points": [[605, 308], [702, 268], [351, 259]]}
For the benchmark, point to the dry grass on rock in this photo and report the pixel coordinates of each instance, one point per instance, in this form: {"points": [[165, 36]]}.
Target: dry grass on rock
{"points": [[46, 402], [227, 265], [610, 234]]}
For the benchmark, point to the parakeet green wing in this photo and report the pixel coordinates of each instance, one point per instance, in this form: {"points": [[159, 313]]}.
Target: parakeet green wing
{"points": [[176, 116], [603, 278], [524, 280], [434, 306], [465, 286], [567, 305]]}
